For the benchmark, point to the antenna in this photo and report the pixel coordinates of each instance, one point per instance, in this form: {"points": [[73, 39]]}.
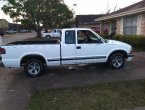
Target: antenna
{"points": [[115, 7], [108, 7]]}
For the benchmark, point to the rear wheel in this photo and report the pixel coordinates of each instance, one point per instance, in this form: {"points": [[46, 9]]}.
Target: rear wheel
{"points": [[34, 68], [48, 36], [116, 61]]}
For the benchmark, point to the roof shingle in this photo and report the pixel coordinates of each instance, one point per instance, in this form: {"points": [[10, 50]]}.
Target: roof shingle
{"points": [[87, 18], [135, 6]]}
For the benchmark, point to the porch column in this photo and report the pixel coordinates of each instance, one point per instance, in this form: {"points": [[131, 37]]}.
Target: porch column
{"points": [[101, 26], [121, 26], [110, 27], [139, 24]]}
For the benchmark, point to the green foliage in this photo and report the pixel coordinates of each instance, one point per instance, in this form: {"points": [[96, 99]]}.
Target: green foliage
{"points": [[134, 40], [39, 13], [137, 41], [105, 36]]}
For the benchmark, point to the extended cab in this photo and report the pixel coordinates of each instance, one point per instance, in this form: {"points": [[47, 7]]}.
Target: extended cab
{"points": [[76, 46], [53, 33]]}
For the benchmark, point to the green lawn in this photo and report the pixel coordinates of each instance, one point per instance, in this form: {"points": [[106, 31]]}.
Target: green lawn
{"points": [[102, 96]]}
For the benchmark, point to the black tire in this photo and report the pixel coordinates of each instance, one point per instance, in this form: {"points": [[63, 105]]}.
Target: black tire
{"points": [[116, 61], [34, 68], [48, 37]]}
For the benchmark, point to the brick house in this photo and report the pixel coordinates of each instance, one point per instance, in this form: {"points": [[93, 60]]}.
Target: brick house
{"points": [[127, 21], [87, 21]]}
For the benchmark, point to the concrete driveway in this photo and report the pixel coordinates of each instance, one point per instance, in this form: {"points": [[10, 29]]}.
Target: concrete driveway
{"points": [[16, 88]]}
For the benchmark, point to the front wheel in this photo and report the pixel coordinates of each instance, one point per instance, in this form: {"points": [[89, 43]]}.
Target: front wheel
{"points": [[116, 60], [34, 68]]}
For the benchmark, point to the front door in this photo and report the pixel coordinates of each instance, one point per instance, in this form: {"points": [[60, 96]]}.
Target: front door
{"points": [[89, 47]]}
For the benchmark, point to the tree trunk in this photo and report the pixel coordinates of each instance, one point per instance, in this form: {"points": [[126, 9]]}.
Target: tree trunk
{"points": [[46, 28], [39, 33], [39, 28]]}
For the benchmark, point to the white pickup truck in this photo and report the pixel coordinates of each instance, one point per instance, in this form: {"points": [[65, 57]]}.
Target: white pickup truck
{"points": [[53, 33], [76, 46]]}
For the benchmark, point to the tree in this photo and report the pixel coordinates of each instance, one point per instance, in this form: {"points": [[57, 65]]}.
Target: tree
{"points": [[39, 14]]}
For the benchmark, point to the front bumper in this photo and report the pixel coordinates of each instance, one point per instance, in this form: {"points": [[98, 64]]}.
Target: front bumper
{"points": [[130, 57]]}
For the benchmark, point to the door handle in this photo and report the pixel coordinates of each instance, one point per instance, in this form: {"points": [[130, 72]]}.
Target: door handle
{"points": [[78, 47]]}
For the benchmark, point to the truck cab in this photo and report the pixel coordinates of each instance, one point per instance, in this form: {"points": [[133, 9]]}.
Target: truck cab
{"points": [[82, 46]]}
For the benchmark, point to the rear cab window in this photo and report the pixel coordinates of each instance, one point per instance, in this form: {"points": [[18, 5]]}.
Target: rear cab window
{"points": [[70, 37]]}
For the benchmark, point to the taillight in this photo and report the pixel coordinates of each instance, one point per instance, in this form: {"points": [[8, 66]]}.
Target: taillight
{"points": [[2, 51]]}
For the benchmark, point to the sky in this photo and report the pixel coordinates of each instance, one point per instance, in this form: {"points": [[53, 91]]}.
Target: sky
{"points": [[86, 6], [97, 6]]}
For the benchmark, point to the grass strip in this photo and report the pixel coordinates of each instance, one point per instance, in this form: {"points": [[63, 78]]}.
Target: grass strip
{"points": [[102, 96]]}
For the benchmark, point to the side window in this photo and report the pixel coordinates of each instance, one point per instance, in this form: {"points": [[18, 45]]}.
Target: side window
{"points": [[70, 37], [86, 36]]}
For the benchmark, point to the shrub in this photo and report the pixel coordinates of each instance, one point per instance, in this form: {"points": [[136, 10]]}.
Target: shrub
{"points": [[105, 36], [137, 41]]}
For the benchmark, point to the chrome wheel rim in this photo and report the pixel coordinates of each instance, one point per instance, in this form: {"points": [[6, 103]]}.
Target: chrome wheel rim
{"points": [[117, 61], [34, 68], [48, 37]]}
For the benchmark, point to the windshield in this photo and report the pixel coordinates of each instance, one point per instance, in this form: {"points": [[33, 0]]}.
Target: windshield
{"points": [[104, 40]]}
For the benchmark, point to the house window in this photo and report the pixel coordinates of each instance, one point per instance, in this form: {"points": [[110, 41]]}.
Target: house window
{"points": [[130, 25], [105, 28]]}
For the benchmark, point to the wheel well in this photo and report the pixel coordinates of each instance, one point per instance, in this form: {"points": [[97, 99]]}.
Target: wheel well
{"points": [[29, 57], [48, 36], [119, 51]]}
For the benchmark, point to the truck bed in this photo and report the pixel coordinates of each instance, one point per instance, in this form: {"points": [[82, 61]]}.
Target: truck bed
{"points": [[15, 51], [32, 42]]}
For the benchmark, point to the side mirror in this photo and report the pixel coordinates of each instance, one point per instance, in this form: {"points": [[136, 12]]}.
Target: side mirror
{"points": [[99, 41]]}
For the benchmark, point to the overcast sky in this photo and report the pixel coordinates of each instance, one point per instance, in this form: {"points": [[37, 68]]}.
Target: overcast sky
{"points": [[97, 6], [88, 6]]}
